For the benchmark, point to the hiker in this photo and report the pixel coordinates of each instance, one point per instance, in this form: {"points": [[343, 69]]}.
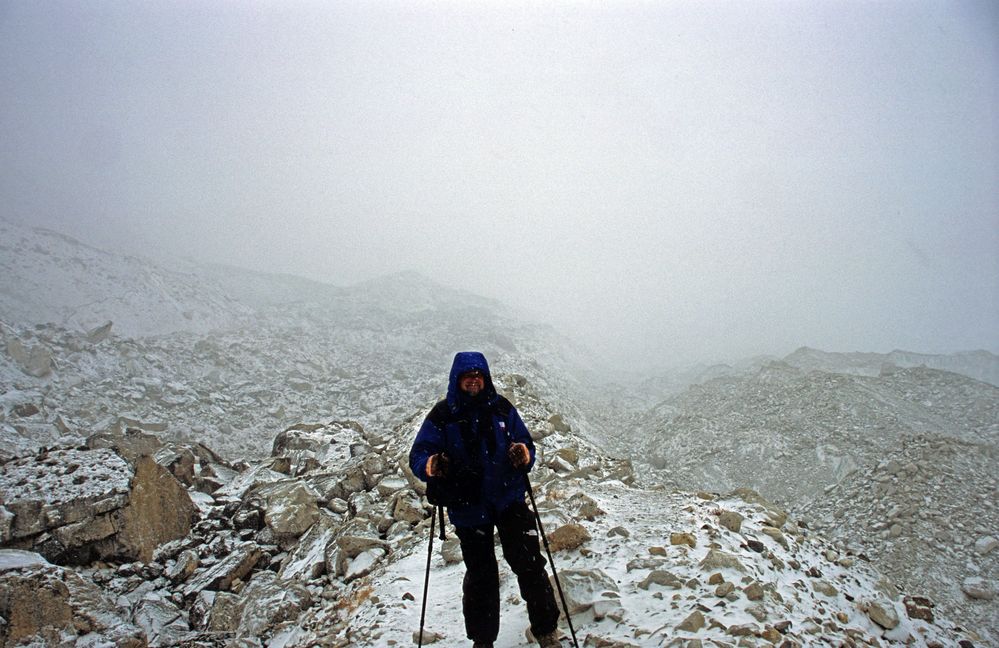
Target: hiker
{"points": [[473, 450]]}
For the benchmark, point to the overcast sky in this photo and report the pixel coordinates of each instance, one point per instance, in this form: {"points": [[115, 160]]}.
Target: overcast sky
{"points": [[671, 181]]}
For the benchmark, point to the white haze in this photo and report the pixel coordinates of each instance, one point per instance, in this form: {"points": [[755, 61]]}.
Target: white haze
{"points": [[670, 182]]}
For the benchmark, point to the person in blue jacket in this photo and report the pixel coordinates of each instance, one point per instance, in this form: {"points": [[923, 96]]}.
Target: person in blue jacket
{"points": [[473, 450]]}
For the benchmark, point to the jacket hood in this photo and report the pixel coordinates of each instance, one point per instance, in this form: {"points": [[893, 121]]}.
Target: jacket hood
{"points": [[467, 361]]}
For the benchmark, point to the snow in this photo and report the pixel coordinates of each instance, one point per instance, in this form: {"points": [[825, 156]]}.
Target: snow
{"points": [[66, 475], [649, 616], [19, 559]]}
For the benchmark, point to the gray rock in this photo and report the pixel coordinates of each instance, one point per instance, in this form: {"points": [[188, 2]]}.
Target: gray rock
{"points": [[24, 410], [364, 504], [757, 611], [163, 622], [558, 423], [567, 536], [100, 333], [754, 591], [55, 605], [290, 507], [390, 485], [568, 455], [451, 551], [406, 507], [352, 480], [645, 563], [584, 587], [131, 443], [35, 361], [824, 587], [717, 559], [429, 637], [268, 601], [687, 539], [226, 612], [237, 564], [307, 560], [693, 622], [883, 614], [182, 569], [661, 577], [357, 549], [6, 525], [985, 545], [978, 588], [363, 563], [583, 506], [79, 505], [776, 534], [742, 630], [159, 510], [238, 487], [731, 520]]}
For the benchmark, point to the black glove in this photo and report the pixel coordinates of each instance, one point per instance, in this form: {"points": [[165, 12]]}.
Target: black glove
{"points": [[437, 465], [519, 455]]}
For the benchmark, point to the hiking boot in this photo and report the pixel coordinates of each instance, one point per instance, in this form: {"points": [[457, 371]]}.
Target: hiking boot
{"points": [[482, 644], [549, 640]]}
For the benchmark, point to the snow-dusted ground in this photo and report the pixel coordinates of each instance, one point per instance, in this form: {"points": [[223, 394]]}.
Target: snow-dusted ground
{"points": [[238, 357], [388, 605]]}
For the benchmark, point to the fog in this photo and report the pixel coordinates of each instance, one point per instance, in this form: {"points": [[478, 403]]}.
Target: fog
{"points": [[668, 182]]}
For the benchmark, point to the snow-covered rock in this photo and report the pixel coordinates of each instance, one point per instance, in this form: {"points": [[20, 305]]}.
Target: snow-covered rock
{"points": [[74, 506], [43, 604]]}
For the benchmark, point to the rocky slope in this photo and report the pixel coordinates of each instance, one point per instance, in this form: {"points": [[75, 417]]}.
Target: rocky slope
{"points": [[980, 365], [819, 427], [323, 544], [50, 277], [926, 515], [901, 466], [304, 522], [280, 349]]}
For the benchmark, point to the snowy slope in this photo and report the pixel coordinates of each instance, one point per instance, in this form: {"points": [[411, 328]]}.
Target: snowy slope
{"points": [[818, 427], [980, 365], [50, 277]]}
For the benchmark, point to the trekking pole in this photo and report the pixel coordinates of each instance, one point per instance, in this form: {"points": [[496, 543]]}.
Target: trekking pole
{"points": [[544, 538], [426, 579]]}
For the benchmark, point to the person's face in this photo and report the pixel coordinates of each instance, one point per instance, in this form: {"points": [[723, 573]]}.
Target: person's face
{"points": [[471, 382]]}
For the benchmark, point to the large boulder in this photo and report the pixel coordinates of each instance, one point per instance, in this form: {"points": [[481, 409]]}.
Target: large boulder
{"points": [[584, 588], [42, 604], [163, 623], [358, 549], [76, 506], [268, 600], [130, 444], [185, 461], [312, 445], [308, 559], [220, 576], [35, 361], [288, 508]]}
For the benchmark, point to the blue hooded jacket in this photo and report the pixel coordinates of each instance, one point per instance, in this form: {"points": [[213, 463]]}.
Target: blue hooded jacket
{"points": [[475, 435]]}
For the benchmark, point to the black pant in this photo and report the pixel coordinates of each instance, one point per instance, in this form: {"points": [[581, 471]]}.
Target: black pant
{"points": [[480, 589]]}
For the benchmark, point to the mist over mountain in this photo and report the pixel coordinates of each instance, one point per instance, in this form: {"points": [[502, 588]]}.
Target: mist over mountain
{"points": [[819, 498]]}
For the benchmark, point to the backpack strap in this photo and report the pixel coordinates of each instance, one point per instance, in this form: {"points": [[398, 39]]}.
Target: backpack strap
{"points": [[503, 406], [440, 415]]}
